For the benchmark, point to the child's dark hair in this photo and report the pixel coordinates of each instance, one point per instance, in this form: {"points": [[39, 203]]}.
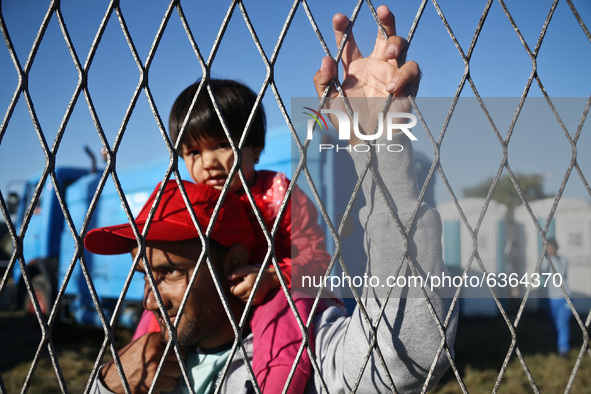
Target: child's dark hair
{"points": [[235, 102]]}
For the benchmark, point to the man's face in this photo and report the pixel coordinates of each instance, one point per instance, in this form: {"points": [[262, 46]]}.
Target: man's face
{"points": [[203, 322], [210, 161]]}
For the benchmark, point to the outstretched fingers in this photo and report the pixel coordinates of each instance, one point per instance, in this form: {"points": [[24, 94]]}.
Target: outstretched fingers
{"points": [[391, 47], [324, 77], [405, 81], [392, 50], [367, 77], [351, 52], [386, 18]]}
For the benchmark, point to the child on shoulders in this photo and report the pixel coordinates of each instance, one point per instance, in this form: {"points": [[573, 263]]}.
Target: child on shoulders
{"points": [[299, 241]]}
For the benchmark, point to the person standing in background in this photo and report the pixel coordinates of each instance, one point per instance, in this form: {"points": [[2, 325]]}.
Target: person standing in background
{"points": [[557, 306]]}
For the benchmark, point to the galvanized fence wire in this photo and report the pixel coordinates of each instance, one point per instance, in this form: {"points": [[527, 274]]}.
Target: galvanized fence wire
{"points": [[505, 166], [114, 11]]}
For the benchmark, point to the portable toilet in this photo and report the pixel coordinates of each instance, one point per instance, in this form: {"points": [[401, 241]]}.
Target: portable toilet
{"points": [[571, 227], [475, 299]]}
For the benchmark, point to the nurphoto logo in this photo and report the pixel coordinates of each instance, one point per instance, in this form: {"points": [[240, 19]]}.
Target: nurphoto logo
{"points": [[395, 121]]}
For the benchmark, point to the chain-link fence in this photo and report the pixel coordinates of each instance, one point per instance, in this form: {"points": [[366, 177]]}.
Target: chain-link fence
{"points": [[138, 57]]}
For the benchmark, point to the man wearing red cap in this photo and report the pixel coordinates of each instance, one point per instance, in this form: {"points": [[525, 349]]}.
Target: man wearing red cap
{"points": [[392, 343], [172, 249]]}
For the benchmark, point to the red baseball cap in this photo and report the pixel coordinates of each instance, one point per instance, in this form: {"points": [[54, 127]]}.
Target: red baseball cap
{"points": [[172, 221]]}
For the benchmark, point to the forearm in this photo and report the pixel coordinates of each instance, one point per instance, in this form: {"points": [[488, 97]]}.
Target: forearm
{"points": [[407, 335]]}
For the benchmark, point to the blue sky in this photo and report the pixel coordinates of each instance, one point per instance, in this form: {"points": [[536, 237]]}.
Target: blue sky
{"points": [[500, 67]]}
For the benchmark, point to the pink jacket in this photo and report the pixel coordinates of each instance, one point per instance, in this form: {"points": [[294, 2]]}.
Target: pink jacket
{"points": [[300, 249], [299, 241]]}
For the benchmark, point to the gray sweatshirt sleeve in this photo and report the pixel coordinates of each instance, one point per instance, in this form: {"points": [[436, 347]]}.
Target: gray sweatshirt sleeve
{"points": [[98, 387], [408, 335]]}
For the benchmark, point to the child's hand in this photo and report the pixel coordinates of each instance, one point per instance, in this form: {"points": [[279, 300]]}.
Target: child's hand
{"points": [[243, 278]]}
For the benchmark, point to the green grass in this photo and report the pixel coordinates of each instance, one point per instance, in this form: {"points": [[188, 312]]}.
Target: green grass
{"points": [[76, 347], [550, 372], [481, 347]]}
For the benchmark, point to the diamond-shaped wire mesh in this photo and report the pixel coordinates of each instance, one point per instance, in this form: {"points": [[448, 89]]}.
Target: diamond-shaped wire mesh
{"points": [[269, 54]]}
